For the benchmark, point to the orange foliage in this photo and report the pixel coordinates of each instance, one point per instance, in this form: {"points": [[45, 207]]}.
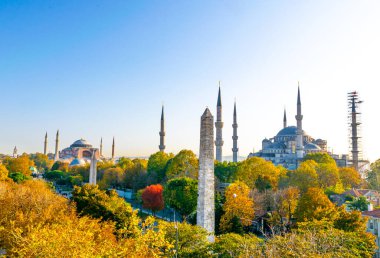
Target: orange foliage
{"points": [[152, 197]]}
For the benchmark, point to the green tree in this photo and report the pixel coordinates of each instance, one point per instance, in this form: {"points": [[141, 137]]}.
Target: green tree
{"points": [[112, 178], [234, 245], [349, 177], [135, 177], [256, 169], [226, 171], [359, 204], [41, 161], [59, 165], [350, 221], [320, 158], [107, 206], [18, 177], [157, 164], [184, 164], [182, 194]]}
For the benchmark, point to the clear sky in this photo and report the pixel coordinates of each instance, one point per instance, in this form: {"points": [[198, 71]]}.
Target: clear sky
{"points": [[103, 68]]}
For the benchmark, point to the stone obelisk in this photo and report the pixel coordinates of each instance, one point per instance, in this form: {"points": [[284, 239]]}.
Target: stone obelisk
{"points": [[205, 205], [92, 179], [56, 153], [45, 144]]}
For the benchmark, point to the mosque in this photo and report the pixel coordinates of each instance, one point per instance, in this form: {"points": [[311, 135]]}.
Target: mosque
{"points": [[292, 143]]}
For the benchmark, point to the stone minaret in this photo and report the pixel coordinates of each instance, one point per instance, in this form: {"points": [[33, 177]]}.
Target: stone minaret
{"points": [[15, 152], [162, 132], [92, 179], [45, 144], [285, 122], [205, 205], [113, 148], [101, 147], [235, 148], [56, 153], [299, 116], [219, 125]]}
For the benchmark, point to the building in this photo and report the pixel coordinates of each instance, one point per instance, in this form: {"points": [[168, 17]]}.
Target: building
{"points": [[373, 226], [291, 143], [79, 153]]}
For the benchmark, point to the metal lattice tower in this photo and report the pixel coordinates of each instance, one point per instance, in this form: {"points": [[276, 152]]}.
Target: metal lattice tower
{"points": [[354, 123]]}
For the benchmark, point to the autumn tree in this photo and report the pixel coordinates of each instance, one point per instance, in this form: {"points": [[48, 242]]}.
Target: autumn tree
{"points": [[184, 164], [157, 164], [152, 198], [258, 173], [320, 158], [112, 178], [288, 202], [314, 204], [349, 177], [20, 164], [238, 204], [235, 245], [106, 205], [328, 174], [3, 172], [182, 195], [304, 176], [350, 221], [41, 161]]}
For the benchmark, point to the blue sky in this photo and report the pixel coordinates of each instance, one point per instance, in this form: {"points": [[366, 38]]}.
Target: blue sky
{"points": [[103, 68]]}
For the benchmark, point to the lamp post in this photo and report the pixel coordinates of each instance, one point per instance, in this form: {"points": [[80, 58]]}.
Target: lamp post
{"points": [[176, 235]]}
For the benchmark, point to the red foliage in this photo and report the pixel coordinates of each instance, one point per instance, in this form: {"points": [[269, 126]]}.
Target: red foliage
{"points": [[152, 198]]}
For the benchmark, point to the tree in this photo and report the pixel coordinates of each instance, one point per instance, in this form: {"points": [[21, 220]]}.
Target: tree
{"points": [[314, 204], [136, 176], [238, 203], [350, 221], [184, 164], [289, 201], [20, 164], [328, 174], [373, 176], [349, 177], [190, 238], [3, 172], [152, 198], [106, 205], [41, 161], [182, 194], [62, 166], [304, 176], [112, 178], [234, 245], [157, 164], [18, 177], [256, 169], [226, 171], [320, 158], [359, 204]]}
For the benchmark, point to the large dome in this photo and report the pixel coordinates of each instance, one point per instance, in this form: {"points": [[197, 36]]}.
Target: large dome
{"points": [[82, 143], [288, 131]]}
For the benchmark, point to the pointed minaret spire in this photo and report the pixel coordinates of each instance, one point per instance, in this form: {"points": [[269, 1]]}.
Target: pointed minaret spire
{"points": [[101, 147], [56, 154], [113, 148], [235, 148], [45, 144], [299, 117], [219, 125], [285, 122], [162, 131], [15, 152]]}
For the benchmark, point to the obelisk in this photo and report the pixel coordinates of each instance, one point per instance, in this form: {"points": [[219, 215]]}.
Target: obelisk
{"points": [[205, 205], [92, 179]]}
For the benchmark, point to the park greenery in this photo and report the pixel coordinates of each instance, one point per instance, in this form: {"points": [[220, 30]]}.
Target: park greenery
{"points": [[262, 210]]}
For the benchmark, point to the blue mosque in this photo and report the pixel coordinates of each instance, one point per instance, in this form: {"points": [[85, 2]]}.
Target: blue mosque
{"points": [[291, 143]]}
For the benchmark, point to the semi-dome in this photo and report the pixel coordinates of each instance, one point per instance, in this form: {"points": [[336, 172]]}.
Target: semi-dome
{"points": [[77, 162], [81, 143], [312, 146]]}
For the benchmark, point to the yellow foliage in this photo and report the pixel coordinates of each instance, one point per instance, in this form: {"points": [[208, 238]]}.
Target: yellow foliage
{"points": [[238, 204], [3, 172]]}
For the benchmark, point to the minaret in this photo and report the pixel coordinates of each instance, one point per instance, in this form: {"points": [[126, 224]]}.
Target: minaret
{"points": [[162, 132], [101, 147], [235, 148], [15, 152], [285, 122], [92, 176], [113, 148], [219, 125], [299, 116], [205, 203], [56, 154], [45, 144]]}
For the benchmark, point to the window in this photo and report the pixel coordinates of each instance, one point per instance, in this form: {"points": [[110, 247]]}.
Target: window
{"points": [[371, 225]]}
